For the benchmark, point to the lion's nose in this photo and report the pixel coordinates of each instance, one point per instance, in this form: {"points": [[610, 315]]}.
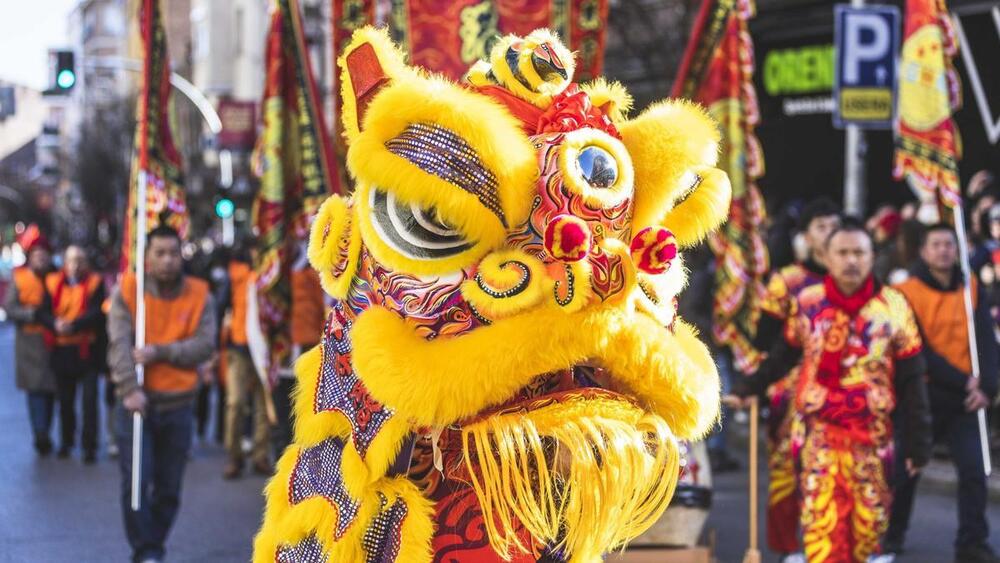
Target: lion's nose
{"points": [[568, 238]]}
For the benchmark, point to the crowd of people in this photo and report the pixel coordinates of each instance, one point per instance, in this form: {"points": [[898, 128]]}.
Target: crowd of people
{"points": [[867, 367], [75, 329], [863, 332]]}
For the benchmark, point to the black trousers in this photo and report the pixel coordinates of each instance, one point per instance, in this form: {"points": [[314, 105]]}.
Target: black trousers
{"points": [[72, 371], [281, 433], [961, 433]]}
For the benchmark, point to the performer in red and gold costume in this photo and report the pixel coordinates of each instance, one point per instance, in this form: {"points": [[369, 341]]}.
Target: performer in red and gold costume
{"points": [[816, 222], [861, 361]]}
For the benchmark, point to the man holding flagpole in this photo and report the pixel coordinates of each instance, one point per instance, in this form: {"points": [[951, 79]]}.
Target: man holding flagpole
{"points": [[180, 335], [161, 325]]}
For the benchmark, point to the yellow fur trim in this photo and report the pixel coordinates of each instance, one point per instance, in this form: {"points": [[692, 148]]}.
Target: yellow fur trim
{"points": [[334, 246], [479, 74], [311, 428], [438, 382], [654, 293], [285, 524], [611, 96], [511, 271], [569, 152], [393, 63], [666, 141], [704, 209], [608, 478]]}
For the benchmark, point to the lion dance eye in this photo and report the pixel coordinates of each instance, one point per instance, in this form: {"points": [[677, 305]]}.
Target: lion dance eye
{"points": [[413, 230], [597, 167]]}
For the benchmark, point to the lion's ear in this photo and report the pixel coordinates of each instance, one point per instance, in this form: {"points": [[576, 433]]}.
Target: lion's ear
{"points": [[674, 146], [334, 245], [369, 63]]}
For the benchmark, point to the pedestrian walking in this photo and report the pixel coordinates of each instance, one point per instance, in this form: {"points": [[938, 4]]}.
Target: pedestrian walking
{"points": [[32, 340], [72, 311], [180, 335], [243, 385]]}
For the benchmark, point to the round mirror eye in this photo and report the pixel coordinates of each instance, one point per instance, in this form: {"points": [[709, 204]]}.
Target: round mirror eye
{"points": [[598, 167]]}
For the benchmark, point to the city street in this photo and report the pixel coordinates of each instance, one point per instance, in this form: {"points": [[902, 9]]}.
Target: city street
{"points": [[54, 510]]}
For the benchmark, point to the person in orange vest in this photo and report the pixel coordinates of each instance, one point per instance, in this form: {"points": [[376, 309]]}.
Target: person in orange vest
{"points": [[72, 311], [180, 335], [242, 380], [308, 316], [32, 341], [934, 291]]}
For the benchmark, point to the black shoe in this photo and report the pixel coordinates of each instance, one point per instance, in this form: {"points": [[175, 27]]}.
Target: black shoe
{"points": [[90, 457], [981, 553], [63, 452], [43, 446]]}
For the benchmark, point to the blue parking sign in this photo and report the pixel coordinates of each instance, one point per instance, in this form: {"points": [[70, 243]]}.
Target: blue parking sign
{"points": [[866, 45]]}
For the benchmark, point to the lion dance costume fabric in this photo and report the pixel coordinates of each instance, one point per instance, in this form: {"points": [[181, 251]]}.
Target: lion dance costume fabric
{"points": [[503, 375]]}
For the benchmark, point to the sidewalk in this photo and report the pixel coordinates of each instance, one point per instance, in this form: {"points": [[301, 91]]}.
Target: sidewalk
{"points": [[939, 475]]}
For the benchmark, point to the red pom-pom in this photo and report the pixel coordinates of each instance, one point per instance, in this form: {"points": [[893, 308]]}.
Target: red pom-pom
{"points": [[654, 249], [567, 238]]}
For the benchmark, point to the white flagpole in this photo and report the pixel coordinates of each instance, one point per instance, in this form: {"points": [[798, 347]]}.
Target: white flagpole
{"points": [[969, 317], [140, 330]]}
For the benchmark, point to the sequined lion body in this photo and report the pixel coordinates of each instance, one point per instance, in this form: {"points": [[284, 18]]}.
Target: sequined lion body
{"points": [[503, 375]]}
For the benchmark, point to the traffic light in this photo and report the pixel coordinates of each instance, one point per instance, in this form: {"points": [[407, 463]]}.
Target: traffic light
{"points": [[224, 208], [63, 71]]}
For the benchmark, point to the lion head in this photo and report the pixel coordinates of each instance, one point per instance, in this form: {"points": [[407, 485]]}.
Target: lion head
{"points": [[505, 276]]}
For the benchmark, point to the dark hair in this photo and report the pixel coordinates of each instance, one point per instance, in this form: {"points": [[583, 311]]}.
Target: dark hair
{"points": [[822, 207], [937, 228], [850, 224], [162, 231]]}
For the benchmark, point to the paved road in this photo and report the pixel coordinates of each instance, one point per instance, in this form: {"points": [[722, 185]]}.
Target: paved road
{"points": [[929, 540], [55, 510]]}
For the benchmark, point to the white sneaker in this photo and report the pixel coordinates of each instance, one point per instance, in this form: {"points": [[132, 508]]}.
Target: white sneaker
{"points": [[112, 450], [794, 558], [884, 558]]}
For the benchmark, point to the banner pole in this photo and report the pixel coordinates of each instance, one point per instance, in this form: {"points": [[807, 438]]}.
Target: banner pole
{"points": [[140, 330], [963, 252]]}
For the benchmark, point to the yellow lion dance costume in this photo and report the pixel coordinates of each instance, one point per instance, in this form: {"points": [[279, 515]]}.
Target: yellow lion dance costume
{"points": [[503, 376]]}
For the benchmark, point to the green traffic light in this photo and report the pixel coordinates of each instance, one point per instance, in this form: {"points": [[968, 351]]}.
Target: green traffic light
{"points": [[225, 208], [66, 79]]}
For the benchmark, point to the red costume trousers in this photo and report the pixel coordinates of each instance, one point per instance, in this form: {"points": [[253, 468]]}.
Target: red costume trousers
{"points": [[845, 497], [783, 498]]}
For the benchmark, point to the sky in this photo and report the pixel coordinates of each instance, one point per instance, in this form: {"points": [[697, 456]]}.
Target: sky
{"points": [[27, 29]]}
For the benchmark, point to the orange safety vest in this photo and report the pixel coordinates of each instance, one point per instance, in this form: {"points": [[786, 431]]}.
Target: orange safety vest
{"points": [[941, 316], [307, 310], [239, 276], [31, 293], [169, 321], [69, 302]]}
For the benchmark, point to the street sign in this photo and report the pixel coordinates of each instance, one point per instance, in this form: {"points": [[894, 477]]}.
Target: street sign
{"points": [[866, 43]]}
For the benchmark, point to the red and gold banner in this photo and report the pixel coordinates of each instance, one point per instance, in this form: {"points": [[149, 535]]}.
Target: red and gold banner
{"points": [[294, 163], [928, 145], [155, 152], [449, 36], [717, 71]]}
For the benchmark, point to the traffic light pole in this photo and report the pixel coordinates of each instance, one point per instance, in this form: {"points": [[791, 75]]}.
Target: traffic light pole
{"points": [[192, 93]]}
